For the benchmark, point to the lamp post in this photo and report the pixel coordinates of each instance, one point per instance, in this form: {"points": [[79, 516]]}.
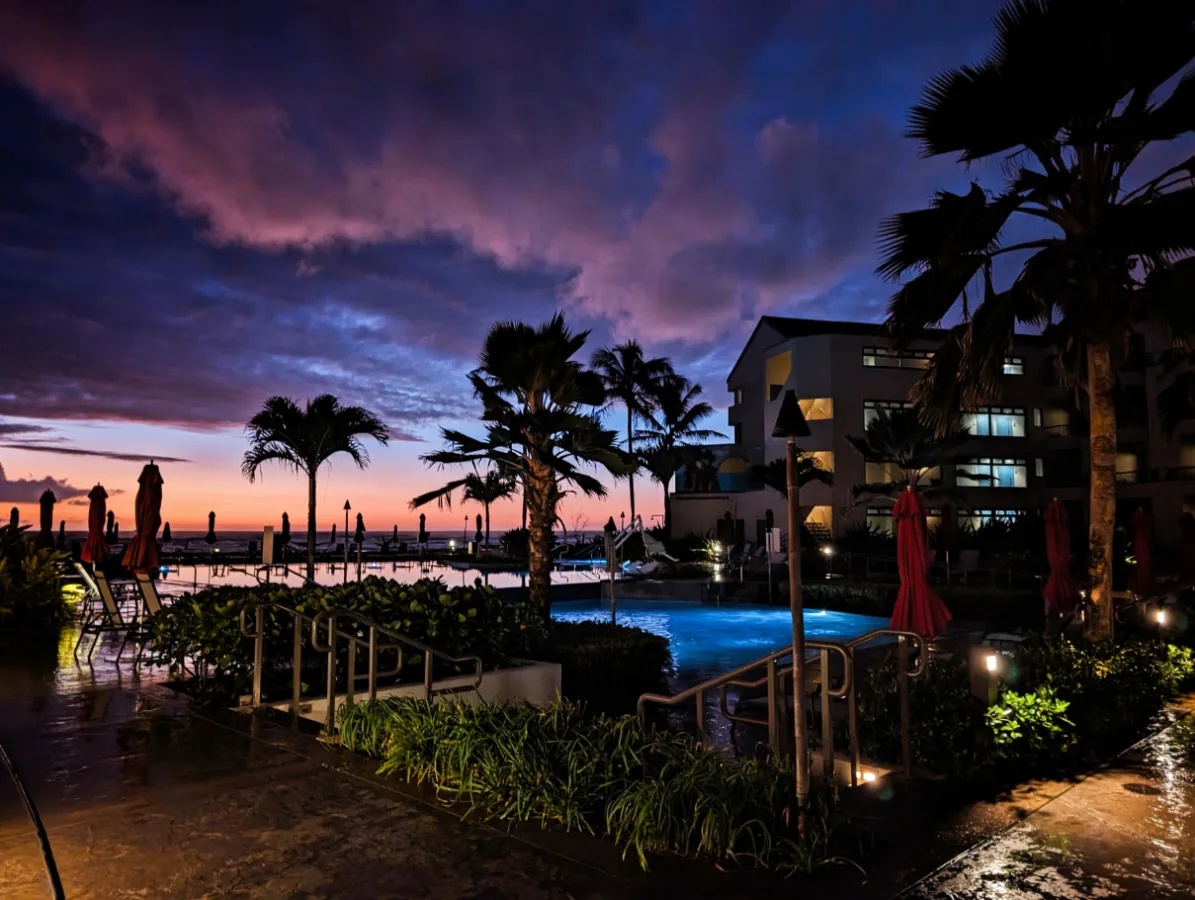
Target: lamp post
{"points": [[790, 425], [346, 541]]}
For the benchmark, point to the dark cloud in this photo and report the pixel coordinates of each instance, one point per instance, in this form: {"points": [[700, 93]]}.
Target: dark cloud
{"points": [[105, 454], [29, 490], [205, 205], [8, 429]]}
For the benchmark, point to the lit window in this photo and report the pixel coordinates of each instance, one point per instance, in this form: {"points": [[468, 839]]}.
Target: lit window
{"points": [[1014, 365], [988, 472], [977, 518], [1037, 417], [880, 518], [995, 421], [883, 358], [873, 409], [817, 409], [823, 458], [890, 472], [1039, 467]]}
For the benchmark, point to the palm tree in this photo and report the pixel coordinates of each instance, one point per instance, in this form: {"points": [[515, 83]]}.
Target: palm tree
{"points": [[911, 454], [485, 489], [673, 416], [537, 405], [632, 380], [775, 473], [1066, 97], [305, 439]]}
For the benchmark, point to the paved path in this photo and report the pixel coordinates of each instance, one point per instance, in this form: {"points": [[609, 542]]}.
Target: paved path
{"points": [[1127, 830]]}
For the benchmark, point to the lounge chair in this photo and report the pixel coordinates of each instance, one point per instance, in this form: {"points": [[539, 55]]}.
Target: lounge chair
{"points": [[968, 562], [102, 614], [149, 593]]}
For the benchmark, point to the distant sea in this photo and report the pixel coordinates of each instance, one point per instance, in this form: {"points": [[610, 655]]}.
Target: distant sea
{"points": [[238, 540]]}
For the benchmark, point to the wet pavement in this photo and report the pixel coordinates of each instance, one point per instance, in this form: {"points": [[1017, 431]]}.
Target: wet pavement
{"points": [[1125, 830], [145, 796]]}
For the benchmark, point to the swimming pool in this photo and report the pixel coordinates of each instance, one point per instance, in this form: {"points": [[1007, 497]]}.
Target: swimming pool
{"points": [[709, 640]]}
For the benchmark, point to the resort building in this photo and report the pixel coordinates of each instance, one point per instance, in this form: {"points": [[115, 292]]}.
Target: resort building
{"points": [[1030, 443]]}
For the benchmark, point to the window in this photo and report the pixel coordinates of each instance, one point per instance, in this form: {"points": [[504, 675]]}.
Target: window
{"points": [[989, 472], [817, 410], [820, 518], [889, 472], [977, 518], [880, 518], [1037, 417], [883, 358], [738, 396], [873, 409], [1039, 467], [776, 372], [1014, 365], [995, 421], [823, 458], [1127, 466], [1056, 420]]}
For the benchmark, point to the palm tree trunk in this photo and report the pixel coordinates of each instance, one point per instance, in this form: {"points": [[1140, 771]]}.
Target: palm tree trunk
{"points": [[311, 528], [667, 514], [487, 524], [539, 537], [630, 452], [523, 494], [1102, 415]]}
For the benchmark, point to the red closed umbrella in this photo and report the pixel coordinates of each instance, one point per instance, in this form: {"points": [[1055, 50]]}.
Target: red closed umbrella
{"points": [[142, 551], [95, 551], [1141, 581], [1060, 587], [45, 537], [918, 608]]}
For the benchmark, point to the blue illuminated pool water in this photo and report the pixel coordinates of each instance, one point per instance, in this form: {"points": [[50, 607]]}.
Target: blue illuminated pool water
{"points": [[709, 640]]}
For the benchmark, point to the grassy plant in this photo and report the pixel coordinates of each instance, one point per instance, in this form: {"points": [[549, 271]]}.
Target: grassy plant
{"points": [[649, 791], [31, 593]]}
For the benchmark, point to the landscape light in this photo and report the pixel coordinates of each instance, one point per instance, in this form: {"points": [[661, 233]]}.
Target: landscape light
{"points": [[828, 550], [1160, 615], [452, 545], [992, 661], [717, 548], [865, 776]]}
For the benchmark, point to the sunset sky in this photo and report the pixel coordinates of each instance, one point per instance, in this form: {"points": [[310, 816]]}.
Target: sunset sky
{"points": [[202, 205]]}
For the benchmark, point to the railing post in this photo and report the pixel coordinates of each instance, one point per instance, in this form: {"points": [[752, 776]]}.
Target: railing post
{"points": [[827, 724], [784, 729], [902, 680], [427, 675], [701, 735], [296, 685], [330, 716], [852, 722], [350, 696], [773, 712], [373, 663], [259, 640]]}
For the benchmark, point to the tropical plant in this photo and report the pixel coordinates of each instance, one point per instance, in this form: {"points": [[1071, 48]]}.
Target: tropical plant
{"points": [[775, 473], [536, 405], [484, 488], [1097, 257], [910, 455], [304, 438], [649, 791], [31, 591], [673, 431], [633, 381]]}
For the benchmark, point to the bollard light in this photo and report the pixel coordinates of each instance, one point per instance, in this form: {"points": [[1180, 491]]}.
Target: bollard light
{"points": [[1160, 615], [452, 545], [717, 548], [992, 661]]}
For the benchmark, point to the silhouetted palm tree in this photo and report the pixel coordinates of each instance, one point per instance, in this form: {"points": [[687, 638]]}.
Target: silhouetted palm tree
{"points": [[633, 381], [674, 417], [305, 439], [775, 473], [536, 402], [910, 455], [484, 488], [1066, 97]]}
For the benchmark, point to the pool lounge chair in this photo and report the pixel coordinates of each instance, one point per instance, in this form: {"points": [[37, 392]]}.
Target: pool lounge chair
{"points": [[102, 612]]}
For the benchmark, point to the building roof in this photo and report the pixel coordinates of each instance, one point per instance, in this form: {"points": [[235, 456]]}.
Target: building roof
{"points": [[789, 328]]}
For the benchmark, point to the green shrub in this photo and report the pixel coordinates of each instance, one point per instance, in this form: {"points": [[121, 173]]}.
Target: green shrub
{"points": [[605, 666], [1031, 726], [204, 627], [649, 791], [31, 591]]}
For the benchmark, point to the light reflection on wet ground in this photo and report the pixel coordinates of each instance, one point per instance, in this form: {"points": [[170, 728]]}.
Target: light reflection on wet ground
{"points": [[1127, 830]]}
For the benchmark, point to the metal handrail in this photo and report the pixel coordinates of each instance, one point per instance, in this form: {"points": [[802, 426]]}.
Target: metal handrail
{"points": [[429, 654], [777, 706], [39, 828]]}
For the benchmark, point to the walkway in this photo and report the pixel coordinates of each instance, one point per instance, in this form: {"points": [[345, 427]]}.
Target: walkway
{"points": [[144, 797]]}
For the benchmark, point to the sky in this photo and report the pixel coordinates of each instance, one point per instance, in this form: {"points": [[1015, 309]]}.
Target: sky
{"points": [[203, 205]]}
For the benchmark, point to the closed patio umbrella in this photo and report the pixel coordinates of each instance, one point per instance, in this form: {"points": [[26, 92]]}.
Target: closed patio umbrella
{"points": [[45, 536], [95, 551], [1141, 581], [1060, 590], [210, 537], [477, 537], [166, 535], [422, 531], [333, 533], [359, 537], [284, 537], [14, 518], [110, 534], [918, 608], [394, 537], [61, 544], [142, 551]]}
